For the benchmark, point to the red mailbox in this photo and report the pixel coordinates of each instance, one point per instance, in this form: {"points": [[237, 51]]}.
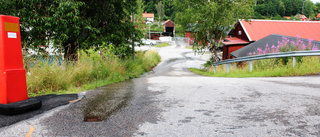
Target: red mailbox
{"points": [[13, 87]]}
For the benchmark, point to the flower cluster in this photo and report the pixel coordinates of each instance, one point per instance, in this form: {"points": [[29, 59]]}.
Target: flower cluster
{"points": [[286, 46]]}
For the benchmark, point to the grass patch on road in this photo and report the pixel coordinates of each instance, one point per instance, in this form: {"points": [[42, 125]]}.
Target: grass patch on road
{"points": [[162, 45], [90, 71], [266, 68]]}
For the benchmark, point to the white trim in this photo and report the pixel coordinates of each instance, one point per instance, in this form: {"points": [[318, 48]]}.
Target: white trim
{"points": [[245, 31]]}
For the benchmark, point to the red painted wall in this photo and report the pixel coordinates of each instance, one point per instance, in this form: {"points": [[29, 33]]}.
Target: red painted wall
{"points": [[243, 34], [169, 24], [188, 35], [231, 49]]}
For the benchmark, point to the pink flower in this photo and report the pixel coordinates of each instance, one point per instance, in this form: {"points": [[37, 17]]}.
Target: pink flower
{"points": [[315, 47], [303, 47]]}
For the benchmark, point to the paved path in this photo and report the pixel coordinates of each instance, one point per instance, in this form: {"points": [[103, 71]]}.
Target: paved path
{"points": [[176, 102]]}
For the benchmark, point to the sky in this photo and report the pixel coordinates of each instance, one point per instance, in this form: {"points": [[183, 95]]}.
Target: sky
{"points": [[315, 1]]}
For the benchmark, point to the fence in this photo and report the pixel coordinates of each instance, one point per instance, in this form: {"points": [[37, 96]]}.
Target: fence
{"points": [[267, 56]]}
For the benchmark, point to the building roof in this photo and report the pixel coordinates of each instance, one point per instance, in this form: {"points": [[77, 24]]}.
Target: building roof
{"points": [[318, 16], [258, 29], [270, 40], [234, 41], [167, 21], [148, 15]]}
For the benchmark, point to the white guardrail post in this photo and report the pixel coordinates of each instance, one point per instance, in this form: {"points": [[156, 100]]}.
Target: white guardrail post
{"points": [[250, 65], [227, 68], [293, 61]]}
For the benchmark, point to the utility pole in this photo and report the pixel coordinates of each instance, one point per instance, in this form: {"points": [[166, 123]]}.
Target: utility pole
{"points": [[149, 31], [133, 32]]}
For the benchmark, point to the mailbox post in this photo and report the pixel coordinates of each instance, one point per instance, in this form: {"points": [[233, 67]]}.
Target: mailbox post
{"points": [[13, 87]]}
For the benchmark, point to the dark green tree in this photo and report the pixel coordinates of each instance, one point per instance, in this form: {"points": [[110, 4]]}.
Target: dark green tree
{"points": [[73, 24], [150, 7]]}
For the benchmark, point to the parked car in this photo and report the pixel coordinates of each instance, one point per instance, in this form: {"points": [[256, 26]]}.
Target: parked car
{"points": [[148, 42]]}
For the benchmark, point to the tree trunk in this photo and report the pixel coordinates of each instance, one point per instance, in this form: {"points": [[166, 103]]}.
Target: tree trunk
{"points": [[213, 50], [70, 53]]}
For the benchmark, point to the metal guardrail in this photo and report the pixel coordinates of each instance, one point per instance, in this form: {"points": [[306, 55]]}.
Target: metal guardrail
{"points": [[268, 56]]}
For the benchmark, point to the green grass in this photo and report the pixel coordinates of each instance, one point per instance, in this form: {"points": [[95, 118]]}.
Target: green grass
{"points": [[189, 47], [162, 45], [266, 68], [90, 71]]}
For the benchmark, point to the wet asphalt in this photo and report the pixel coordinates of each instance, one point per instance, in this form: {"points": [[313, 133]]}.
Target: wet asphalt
{"points": [[175, 102]]}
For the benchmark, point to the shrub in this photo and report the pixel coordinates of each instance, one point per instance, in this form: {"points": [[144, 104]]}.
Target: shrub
{"points": [[46, 77]]}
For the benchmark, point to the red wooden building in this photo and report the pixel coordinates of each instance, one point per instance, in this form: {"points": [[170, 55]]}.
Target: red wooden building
{"points": [[168, 27], [246, 32]]}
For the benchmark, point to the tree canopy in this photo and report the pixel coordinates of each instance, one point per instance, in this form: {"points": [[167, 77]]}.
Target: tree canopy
{"points": [[160, 11], [74, 24], [272, 8], [210, 20]]}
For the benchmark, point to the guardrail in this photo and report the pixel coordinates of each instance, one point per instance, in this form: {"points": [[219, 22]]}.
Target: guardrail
{"points": [[267, 56]]}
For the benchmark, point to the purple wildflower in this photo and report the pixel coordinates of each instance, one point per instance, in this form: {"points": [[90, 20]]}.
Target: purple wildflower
{"points": [[303, 47], [315, 47], [292, 42]]}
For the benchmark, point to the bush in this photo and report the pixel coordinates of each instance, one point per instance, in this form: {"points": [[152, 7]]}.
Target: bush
{"points": [[46, 77]]}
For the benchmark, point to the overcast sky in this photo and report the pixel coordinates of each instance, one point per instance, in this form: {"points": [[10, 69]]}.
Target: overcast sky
{"points": [[315, 1]]}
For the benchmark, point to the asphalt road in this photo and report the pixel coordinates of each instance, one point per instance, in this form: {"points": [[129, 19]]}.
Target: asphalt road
{"points": [[175, 102]]}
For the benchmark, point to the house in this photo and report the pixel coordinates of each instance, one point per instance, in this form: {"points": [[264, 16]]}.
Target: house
{"points": [[168, 28], [272, 42], [301, 17], [246, 32], [149, 16], [318, 17]]}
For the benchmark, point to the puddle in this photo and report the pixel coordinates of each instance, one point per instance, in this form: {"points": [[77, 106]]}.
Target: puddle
{"points": [[108, 100]]}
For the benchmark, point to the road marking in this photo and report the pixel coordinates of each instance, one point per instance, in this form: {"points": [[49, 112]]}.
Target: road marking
{"points": [[30, 131]]}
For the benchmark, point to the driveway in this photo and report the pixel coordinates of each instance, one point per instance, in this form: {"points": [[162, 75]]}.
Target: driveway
{"points": [[175, 102]]}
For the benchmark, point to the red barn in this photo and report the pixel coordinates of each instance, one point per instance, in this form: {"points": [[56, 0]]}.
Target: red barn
{"points": [[168, 27], [246, 32]]}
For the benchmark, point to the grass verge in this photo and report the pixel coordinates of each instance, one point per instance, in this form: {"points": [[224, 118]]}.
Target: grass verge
{"points": [[162, 45], [90, 71], [265, 68]]}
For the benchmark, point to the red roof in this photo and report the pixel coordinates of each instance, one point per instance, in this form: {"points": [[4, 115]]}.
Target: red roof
{"points": [[167, 21], [234, 41], [318, 16], [148, 15], [258, 29]]}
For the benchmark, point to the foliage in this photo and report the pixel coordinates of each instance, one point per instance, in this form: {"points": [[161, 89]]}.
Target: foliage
{"points": [[211, 20], [162, 45], [266, 68], [160, 11], [150, 7], [90, 71], [73, 24], [286, 46], [274, 8], [169, 8]]}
